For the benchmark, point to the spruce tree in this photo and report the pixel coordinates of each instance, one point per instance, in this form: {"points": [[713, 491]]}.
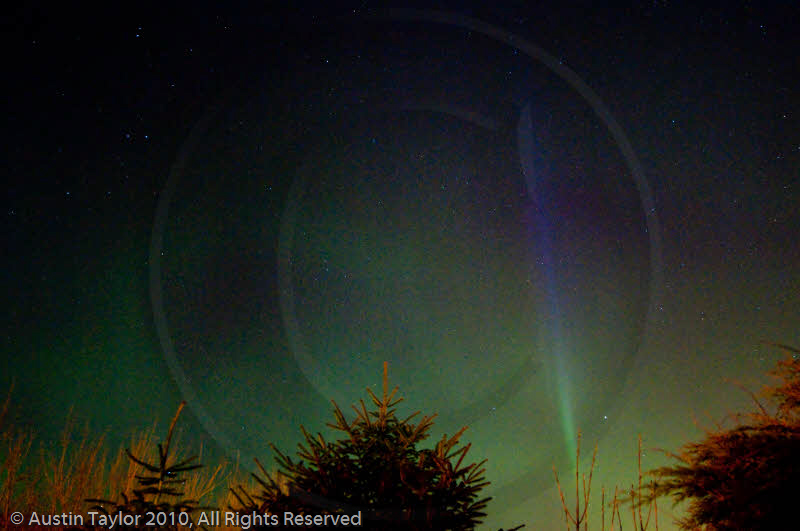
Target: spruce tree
{"points": [[376, 468], [158, 499]]}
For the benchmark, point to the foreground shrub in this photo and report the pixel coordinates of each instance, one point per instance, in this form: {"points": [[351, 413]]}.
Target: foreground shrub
{"points": [[746, 477]]}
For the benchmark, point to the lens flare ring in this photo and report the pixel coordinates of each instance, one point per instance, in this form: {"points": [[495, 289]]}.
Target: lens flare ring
{"points": [[480, 408]]}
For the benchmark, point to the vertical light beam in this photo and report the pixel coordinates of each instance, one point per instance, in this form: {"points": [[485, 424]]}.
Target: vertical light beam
{"points": [[542, 231]]}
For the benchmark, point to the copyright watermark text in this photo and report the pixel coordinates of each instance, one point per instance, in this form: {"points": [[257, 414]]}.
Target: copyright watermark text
{"points": [[184, 519]]}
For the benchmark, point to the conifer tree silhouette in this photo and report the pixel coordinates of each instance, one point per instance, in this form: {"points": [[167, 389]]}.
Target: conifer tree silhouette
{"points": [[376, 468], [159, 492]]}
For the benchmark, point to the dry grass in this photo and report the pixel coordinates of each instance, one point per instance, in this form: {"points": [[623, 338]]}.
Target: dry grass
{"points": [[14, 449], [583, 488], [71, 475], [238, 480], [60, 481]]}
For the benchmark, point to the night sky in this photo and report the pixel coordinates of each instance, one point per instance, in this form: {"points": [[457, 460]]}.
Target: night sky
{"points": [[547, 219]]}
